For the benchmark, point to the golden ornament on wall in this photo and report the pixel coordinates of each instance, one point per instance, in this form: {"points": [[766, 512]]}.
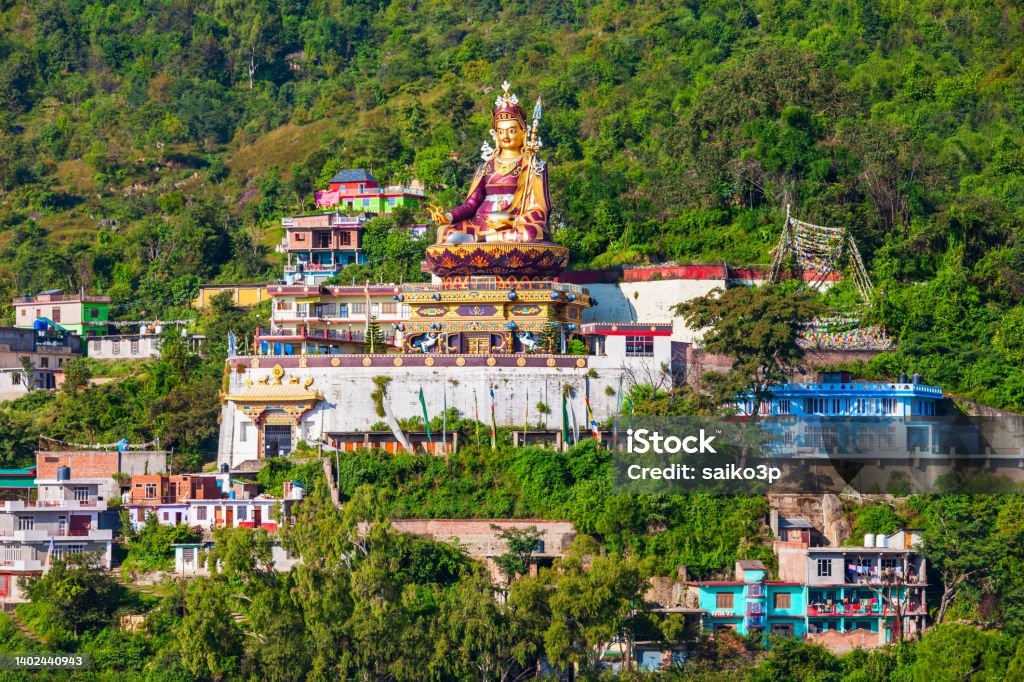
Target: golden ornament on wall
{"points": [[429, 362], [335, 362], [460, 361], [521, 362], [398, 362], [491, 362], [367, 362], [551, 362]]}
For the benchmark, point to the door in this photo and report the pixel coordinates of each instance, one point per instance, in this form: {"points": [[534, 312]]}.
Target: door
{"points": [[229, 516], [257, 517], [478, 345], [782, 629], [177, 518], [62, 525], [277, 440], [79, 525], [218, 516]]}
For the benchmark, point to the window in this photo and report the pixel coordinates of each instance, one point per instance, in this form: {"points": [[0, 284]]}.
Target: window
{"points": [[16, 378], [783, 600], [26, 522], [346, 238], [44, 363], [785, 407], [242, 432], [323, 240], [890, 563], [343, 310], [406, 310], [723, 600], [200, 513], [358, 308], [150, 491], [388, 308], [135, 346], [94, 313], [284, 305], [60, 551], [362, 188], [115, 347], [55, 314], [639, 346], [822, 437], [243, 513], [375, 309], [165, 516], [366, 203], [300, 237], [391, 201], [824, 568]]}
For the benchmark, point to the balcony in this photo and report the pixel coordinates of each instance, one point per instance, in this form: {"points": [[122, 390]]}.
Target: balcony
{"points": [[329, 335], [44, 534], [31, 505]]}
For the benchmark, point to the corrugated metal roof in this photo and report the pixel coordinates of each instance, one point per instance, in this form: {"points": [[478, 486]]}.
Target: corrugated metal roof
{"points": [[27, 471], [353, 175], [7, 483]]}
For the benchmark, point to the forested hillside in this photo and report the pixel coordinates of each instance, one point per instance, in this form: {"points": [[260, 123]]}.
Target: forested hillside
{"points": [[149, 145]]}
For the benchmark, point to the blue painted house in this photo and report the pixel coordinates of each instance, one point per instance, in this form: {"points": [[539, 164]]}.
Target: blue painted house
{"points": [[837, 413], [750, 602]]}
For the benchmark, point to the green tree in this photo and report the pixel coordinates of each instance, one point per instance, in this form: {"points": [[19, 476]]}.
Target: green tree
{"points": [[81, 596], [758, 327], [77, 374]]}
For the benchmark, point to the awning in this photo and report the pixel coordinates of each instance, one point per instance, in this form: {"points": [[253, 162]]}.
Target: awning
{"points": [[308, 299]]}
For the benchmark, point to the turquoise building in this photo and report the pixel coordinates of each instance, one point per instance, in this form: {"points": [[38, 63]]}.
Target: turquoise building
{"points": [[753, 603]]}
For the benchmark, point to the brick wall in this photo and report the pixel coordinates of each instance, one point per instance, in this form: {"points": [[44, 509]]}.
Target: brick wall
{"points": [[99, 464], [83, 464], [844, 642]]}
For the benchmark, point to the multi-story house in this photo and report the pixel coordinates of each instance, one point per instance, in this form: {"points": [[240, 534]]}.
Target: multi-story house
{"points": [[69, 516], [205, 501], [357, 190], [750, 602], [839, 596], [46, 348], [77, 313], [320, 246], [324, 320]]}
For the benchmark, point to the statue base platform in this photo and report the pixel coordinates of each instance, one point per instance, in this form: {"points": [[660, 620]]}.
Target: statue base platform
{"points": [[520, 260]]}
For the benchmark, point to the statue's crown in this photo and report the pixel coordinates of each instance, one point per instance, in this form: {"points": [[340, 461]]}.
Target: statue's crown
{"points": [[506, 107]]}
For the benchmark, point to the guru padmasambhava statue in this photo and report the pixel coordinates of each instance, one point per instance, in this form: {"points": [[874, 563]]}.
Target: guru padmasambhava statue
{"points": [[508, 199]]}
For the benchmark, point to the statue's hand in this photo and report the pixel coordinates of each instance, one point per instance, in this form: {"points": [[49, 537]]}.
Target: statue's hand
{"points": [[438, 215], [499, 224]]}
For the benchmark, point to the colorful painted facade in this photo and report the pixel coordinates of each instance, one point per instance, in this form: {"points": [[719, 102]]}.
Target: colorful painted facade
{"points": [[868, 593], [320, 246], [79, 314], [358, 190]]}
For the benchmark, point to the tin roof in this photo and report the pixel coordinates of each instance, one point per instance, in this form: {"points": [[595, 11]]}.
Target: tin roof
{"points": [[353, 175]]}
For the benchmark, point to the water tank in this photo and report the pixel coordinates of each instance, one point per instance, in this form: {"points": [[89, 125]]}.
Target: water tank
{"points": [[881, 541], [158, 329], [231, 494], [143, 329], [63, 473], [903, 378], [869, 540], [298, 492], [916, 379], [39, 326]]}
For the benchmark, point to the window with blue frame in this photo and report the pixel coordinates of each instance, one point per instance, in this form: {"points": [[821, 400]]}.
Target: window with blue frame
{"points": [[366, 203], [391, 201]]}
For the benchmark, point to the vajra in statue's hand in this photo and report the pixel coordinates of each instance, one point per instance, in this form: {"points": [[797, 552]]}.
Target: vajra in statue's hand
{"points": [[438, 215]]}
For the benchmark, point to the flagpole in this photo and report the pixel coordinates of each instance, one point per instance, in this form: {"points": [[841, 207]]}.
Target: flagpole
{"points": [[444, 421], [476, 417], [526, 418]]}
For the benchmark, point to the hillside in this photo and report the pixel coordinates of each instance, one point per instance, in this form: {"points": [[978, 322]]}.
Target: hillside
{"points": [[673, 132]]}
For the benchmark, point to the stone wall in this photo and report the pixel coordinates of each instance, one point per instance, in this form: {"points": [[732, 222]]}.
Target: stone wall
{"points": [[844, 642]]}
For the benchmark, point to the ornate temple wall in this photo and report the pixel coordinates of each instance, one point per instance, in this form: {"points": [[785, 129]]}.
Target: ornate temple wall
{"points": [[347, 404]]}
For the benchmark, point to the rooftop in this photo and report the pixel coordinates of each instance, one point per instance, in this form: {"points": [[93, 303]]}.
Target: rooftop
{"points": [[353, 175]]}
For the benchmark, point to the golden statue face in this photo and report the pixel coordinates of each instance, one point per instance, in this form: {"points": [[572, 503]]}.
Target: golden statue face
{"points": [[511, 135]]}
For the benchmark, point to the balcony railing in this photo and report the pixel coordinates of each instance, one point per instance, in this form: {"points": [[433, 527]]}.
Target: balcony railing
{"points": [[62, 298], [86, 502], [319, 335], [862, 609]]}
